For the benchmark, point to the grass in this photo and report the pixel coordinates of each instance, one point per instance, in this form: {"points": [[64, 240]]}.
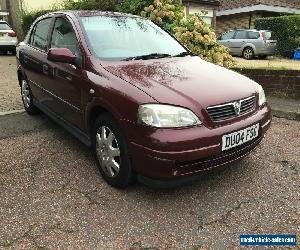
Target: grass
{"points": [[271, 63]]}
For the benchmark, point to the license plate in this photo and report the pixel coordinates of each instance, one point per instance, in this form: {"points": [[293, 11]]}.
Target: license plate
{"points": [[240, 137]]}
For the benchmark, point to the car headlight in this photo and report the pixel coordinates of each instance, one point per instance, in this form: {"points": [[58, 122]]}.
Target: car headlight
{"points": [[262, 97], [166, 116]]}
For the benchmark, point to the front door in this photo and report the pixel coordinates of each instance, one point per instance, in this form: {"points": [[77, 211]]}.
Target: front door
{"points": [[226, 39], [239, 42], [66, 81]]}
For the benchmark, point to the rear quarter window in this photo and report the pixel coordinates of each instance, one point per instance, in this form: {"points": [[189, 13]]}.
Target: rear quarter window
{"points": [[269, 35]]}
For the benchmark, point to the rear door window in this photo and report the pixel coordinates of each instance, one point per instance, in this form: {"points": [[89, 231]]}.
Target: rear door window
{"points": [[242, 34], [253, 35], [39, 38]]}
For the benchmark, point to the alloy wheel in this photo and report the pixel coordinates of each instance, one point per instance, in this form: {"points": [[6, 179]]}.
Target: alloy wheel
{"points": [[248, 53], [26, 97], [108, 151]]}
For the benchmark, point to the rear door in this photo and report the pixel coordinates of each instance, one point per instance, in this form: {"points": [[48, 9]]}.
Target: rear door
{"points": [[255, 39], [33, 57], [239, 41]]}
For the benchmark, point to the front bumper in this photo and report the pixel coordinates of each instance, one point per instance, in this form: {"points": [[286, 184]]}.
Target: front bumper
{"points": [[200, 151]]}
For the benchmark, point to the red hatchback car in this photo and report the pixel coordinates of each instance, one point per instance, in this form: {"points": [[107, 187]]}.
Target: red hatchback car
{"points": [[147, 106]]}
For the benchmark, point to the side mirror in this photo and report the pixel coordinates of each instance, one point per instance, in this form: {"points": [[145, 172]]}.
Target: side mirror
{"points": [[62, 55]]}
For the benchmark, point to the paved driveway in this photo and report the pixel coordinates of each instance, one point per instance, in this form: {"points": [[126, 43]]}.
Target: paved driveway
{"points": [[10, 98], [52, 196]]}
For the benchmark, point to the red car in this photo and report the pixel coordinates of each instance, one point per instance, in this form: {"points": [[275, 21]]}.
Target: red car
{"points": [[147, 106]]}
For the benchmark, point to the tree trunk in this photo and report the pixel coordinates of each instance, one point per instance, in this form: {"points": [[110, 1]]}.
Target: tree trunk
{"points": [[15, 17]]}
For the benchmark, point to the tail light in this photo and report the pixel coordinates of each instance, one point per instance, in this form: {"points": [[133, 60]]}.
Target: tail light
{"points": [[12, 34], [264, 37]]}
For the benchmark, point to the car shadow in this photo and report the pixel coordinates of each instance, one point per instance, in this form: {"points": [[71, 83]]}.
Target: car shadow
{"points": [[42, 123]]}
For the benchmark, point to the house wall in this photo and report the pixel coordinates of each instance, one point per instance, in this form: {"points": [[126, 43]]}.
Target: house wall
{"points": [[3, 10], [243, 20], [210, 12]]}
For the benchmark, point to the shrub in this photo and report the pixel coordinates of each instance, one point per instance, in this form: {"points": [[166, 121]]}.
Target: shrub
{"points": [[286, 30], [106, 5], [134, 7], [192, 31], [202, 41], [28, 17]]}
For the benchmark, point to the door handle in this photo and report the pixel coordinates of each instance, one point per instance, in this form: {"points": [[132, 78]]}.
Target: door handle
{"points": [[45, 69], [25, 58]]}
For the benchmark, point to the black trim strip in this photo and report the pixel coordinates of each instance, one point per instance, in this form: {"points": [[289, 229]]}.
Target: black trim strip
{"points": [[76, 132], [55, 96]]}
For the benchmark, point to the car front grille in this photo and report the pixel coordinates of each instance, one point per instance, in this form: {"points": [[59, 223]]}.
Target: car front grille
{"points": [[209, 163], [231, 110]]}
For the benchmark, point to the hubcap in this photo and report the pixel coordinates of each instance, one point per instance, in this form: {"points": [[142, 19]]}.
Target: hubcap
{"points": [[26, 94], [108, 151], [248, 53]]}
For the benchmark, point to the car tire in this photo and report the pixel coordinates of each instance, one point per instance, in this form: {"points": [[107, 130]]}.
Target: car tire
{"points": [[111, 152], [27, 98], [13, 51], [248, 53]]}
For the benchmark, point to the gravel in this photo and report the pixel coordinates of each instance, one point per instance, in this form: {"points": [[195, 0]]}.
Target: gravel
{"points": [[53, 197], [9, 89]]}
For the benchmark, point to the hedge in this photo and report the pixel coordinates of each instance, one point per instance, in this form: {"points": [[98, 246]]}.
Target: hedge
{"points": [[286, 30], [29, 17]]}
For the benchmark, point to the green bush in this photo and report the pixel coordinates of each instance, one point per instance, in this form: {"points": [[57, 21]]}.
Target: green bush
{"points": [[106, 5], [192, 31], [29, 17], [134, 7], [286, 30]]}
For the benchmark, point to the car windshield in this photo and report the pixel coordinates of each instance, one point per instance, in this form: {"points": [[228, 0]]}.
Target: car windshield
{"points": [[4, 26], [121, 38]]}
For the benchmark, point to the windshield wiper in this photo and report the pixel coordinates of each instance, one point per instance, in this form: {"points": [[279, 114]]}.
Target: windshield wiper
{"points": [[183, 54], [146, 57]]}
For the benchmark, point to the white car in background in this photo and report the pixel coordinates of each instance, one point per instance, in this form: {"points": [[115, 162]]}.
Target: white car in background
{"points": [[8, 38]]}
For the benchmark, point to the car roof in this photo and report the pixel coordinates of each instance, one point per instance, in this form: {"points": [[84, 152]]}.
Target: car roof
{"points": [[254, 30], [88, 13]]}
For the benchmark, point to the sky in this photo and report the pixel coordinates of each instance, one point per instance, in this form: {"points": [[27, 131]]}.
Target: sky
{"points": [[39, 4]]}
